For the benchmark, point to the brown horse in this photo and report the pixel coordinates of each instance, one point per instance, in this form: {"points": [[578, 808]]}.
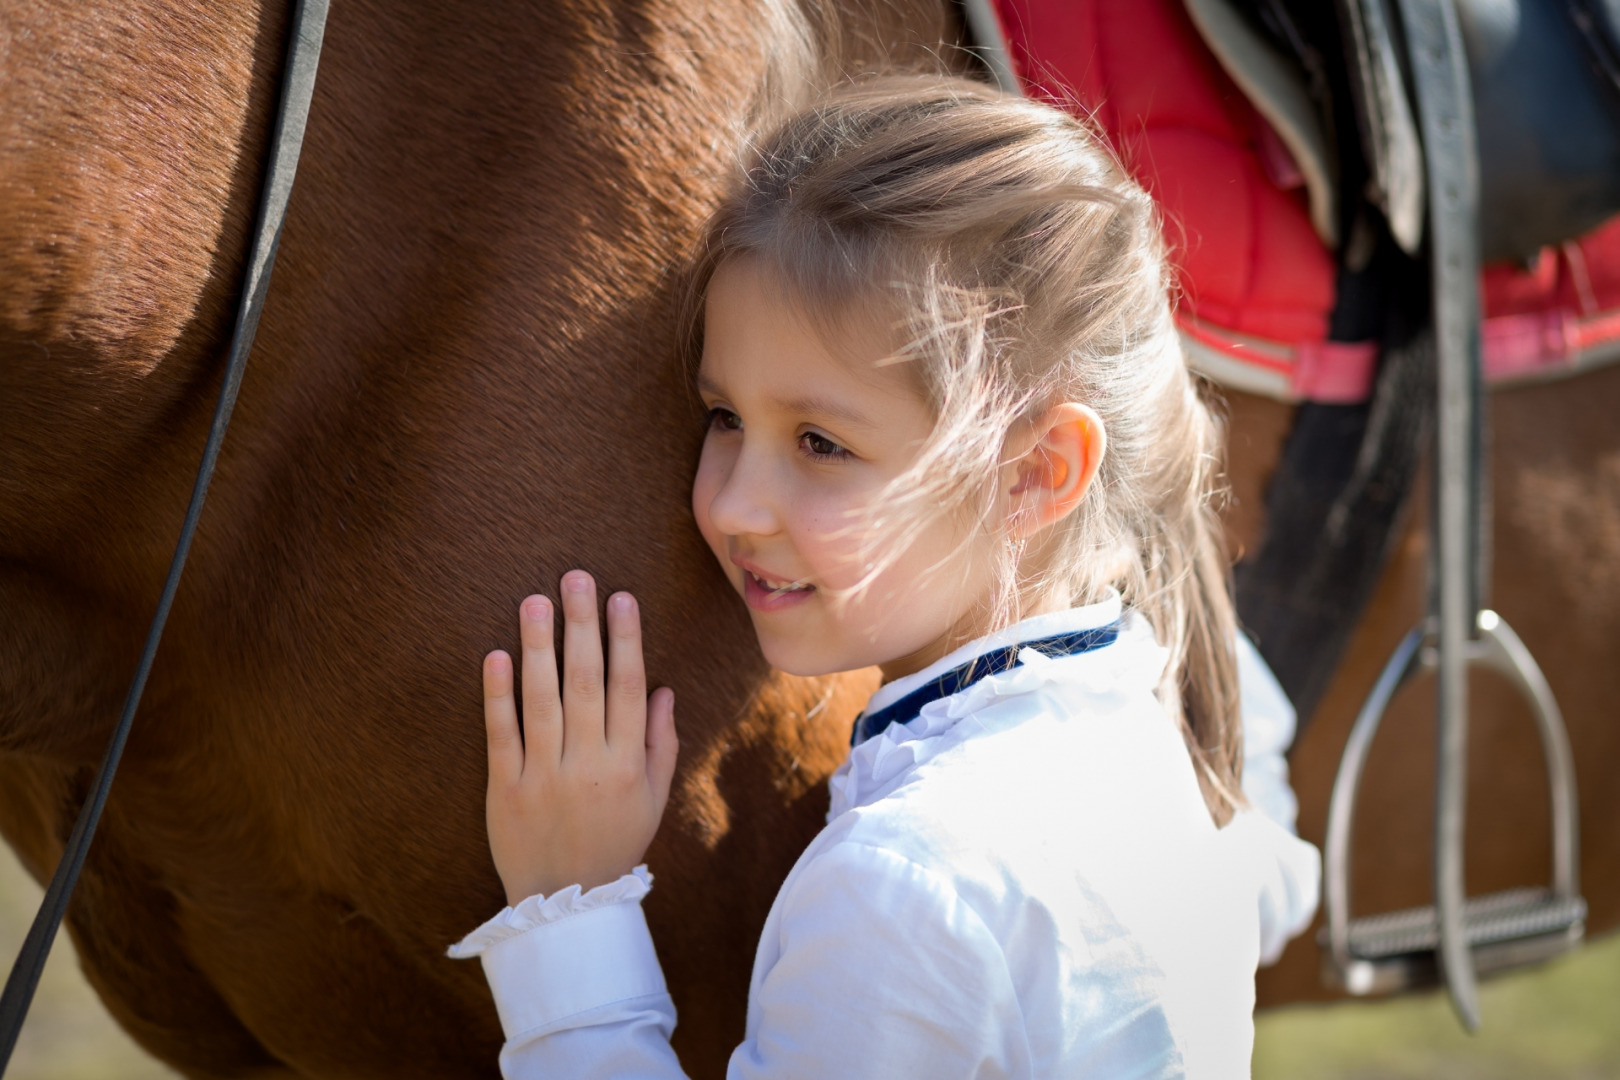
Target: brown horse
{"points": [[463, 385]]}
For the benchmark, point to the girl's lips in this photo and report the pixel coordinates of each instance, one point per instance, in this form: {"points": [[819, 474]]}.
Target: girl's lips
{"points": [[762, 597]]}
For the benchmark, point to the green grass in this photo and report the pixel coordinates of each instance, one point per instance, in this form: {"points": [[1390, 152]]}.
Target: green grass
{"points": [[1557, 1022], [1560, 1022]]}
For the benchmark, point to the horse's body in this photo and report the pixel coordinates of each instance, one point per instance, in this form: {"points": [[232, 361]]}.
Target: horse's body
{"points": [[464, 385]]}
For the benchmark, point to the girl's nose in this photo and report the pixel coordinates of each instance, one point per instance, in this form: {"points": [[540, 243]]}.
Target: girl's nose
{"points": [[746, 504]]}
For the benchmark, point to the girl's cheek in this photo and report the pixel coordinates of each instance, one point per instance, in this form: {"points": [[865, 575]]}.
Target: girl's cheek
{"points": [[706, 484], [831, 520], [828, 539]]}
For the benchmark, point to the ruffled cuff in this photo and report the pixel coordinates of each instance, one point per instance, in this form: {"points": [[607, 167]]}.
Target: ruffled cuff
{"points": [[570, 959], [538, 910]]}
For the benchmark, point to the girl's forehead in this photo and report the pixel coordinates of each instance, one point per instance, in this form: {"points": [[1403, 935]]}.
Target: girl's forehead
{"points": [[759, 337]]}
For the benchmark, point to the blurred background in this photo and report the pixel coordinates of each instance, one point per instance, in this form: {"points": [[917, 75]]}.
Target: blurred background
{"points": [[1560, 1022]]}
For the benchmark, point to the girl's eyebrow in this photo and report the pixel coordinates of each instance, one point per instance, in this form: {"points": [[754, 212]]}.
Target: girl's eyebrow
{"points": [[823, 407], [802, 405]]}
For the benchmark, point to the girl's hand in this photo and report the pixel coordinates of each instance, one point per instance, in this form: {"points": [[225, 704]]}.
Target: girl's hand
{"points": [[576, 795]]}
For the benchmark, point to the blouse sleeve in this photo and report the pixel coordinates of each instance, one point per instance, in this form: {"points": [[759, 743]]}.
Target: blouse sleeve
{"points": [[577, 985], [1268, 732], [877, 970]]}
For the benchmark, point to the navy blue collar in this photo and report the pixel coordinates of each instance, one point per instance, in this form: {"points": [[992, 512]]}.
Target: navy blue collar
{"points": [[958, 679]]}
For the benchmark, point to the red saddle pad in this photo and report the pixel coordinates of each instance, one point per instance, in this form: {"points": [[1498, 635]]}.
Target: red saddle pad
{"points": [[1256, 283]]}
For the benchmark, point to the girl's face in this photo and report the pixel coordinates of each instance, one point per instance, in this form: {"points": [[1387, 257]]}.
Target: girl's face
{"points": [[802, 437]]}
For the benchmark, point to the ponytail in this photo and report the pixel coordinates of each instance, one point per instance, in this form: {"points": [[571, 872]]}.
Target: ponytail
{"points": [[1188, 601]]}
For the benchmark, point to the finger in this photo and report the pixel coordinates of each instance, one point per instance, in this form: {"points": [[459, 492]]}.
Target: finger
{"points": [[627, 679], [582, 662], [662, 745], [542, 712], [501, 721]]}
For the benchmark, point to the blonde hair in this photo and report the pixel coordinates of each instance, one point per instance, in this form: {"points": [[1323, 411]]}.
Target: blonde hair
{"points": [[1025, 269]]}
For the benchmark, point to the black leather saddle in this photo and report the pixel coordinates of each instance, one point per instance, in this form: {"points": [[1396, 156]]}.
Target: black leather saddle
{"points": [[1546, 84]]}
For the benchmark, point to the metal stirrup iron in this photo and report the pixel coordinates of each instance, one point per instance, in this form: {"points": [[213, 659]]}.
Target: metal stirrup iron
{"points": [[1458, 937], [298, 86]]}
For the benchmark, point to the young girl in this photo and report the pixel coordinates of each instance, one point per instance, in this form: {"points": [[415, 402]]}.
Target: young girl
{"points": [[951, 434]]}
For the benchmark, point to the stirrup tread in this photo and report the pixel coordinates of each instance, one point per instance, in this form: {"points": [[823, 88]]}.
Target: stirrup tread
{"points": [[1511, 915]]}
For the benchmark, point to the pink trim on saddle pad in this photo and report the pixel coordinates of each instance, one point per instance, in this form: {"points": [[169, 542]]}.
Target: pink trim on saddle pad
{"points": [[1331, 372], [1560, 315], [1516, 349]]}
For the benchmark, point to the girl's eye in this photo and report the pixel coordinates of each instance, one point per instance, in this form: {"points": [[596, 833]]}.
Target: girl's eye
{"points": [[721, 419], [819, 446]]}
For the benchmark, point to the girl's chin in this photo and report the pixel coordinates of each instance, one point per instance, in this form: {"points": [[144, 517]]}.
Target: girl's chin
{"points": [[807, 663], [792, 662]]}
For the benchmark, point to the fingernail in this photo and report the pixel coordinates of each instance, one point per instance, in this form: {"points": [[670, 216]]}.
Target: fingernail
{"points": [[536, 609], [576, 581], [622, 602]]}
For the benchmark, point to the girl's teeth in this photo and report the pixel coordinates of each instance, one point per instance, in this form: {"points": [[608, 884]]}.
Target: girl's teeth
{"points": [[778, 586]]}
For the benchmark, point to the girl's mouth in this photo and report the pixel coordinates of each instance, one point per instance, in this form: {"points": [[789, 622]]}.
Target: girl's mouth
{"points": [[765, 594]]}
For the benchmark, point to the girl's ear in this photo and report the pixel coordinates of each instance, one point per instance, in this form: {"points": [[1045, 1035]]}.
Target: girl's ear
{"points": [[1047, 481]]}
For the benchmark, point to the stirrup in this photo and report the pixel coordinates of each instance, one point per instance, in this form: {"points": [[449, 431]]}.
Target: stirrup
{"points": [[1398, 950]]}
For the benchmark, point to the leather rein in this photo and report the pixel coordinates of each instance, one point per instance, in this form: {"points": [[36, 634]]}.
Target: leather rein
{"points": [[298, 85]]}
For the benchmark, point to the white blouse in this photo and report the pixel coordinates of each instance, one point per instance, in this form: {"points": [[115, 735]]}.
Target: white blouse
{"points": [[1023, 881]]}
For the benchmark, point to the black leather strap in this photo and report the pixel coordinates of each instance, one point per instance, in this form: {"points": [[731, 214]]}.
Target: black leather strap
{"points": [[1335, 509], [1458, 557], [303, 54]]}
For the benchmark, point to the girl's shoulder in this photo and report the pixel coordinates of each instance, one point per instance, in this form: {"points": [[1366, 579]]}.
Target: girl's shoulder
{"points": [[1015, 811]]}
